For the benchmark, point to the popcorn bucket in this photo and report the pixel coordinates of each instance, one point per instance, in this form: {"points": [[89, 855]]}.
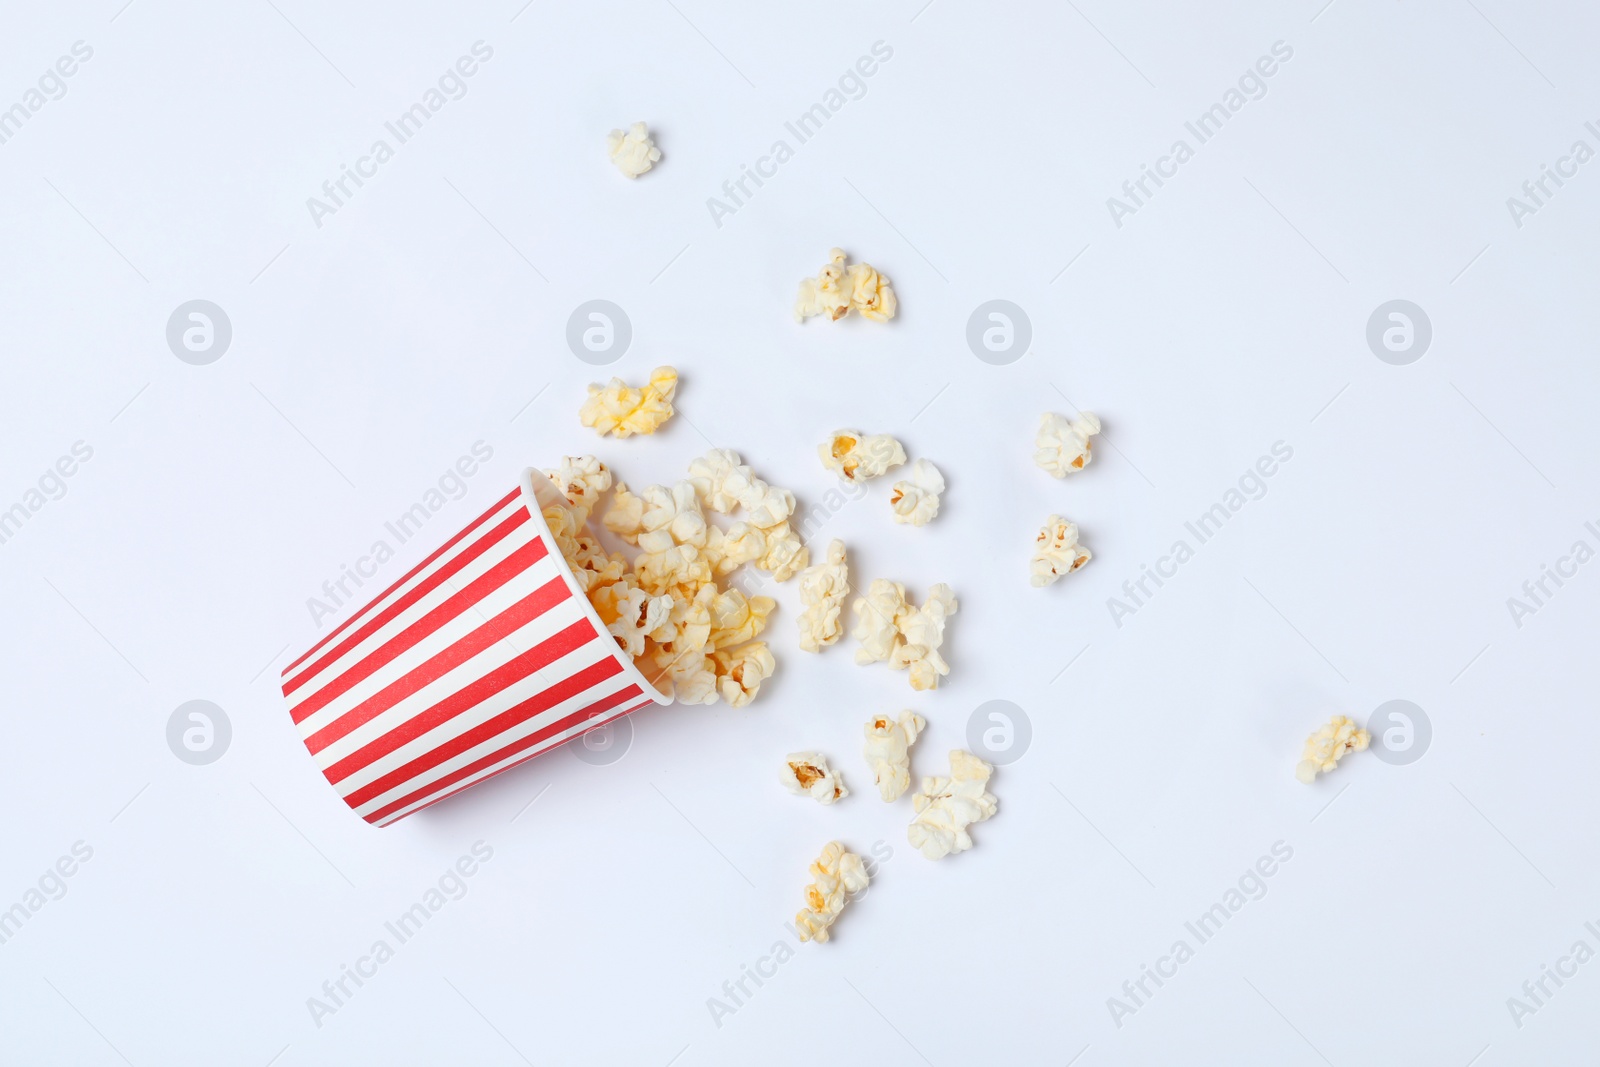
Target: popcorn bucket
{"points": [[482, 656]]}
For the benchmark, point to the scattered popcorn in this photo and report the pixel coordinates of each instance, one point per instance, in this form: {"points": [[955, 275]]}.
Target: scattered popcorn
{"points": [[741, 671], [916, 499], [947, 806], [888, 751], [1328, 745], [835, 874], [822, 591], [838, 288], [1056, 551], [662, 603], [807, 774], [855, 456], [618, 408], [633, 152], [1062, 445]]}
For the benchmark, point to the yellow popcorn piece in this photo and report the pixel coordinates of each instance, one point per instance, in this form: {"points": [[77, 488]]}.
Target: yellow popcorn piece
{"points": [[1062, 445], [915, 500], [888, 751], [619, 409], [834, 876], [1328, 745], [856, 457], [740, 672]]}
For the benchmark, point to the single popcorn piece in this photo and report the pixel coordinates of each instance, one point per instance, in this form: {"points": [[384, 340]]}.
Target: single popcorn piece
{"points": [[876, 615], [581, 480], [728, 549], [870, 293], [633, 152], [915, 500], [637, 613], [835, 874], [826, 294], [888, 751], [786, 556], [945, 807], [1062, 445], [740, 672], [736, 618], [855, 456], [671, 516], [618, 408], [807, 774], [625, 514], [1056, 552], [838, 288], [822, 590], [1328, 745], [922, 633], [720, 479]]}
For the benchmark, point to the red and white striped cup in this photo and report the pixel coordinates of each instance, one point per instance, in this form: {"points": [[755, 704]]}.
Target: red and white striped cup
{"points": [[483, 655]]}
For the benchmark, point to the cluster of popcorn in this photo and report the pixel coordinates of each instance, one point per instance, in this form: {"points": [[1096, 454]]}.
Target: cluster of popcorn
{"points": [[1056, 551], [665, 608], [839, 288], [633, 152], [619, 409], [908, 638], [944, 809], [947, 806], [1328, 745], [835, 874]]}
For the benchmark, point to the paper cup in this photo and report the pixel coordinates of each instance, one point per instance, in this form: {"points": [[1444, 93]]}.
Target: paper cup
{"points": [[484, 655]]}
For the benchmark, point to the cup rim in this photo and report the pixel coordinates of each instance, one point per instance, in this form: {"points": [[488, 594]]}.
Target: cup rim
{"points": [[530, 500]]}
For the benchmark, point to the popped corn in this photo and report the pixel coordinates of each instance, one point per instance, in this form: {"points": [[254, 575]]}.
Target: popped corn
{"points": [[1062, 445], [822, 591], [922, 632], [915, 500], [1056, 552], [807, 774], [581, 480], [827, 293], [876, 615], [633, 152], [1327, 746], [838, 288], [618, 408], [856, 456], [888, 751], [835, 874], [740, 672], [947, 806], [663, 604]]}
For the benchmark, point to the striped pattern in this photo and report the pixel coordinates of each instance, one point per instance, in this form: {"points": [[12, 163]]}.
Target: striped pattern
{"points": [[481, 657]]}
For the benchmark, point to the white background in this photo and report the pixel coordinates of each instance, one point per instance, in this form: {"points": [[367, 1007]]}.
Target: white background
{"points": [[429, 312]]}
